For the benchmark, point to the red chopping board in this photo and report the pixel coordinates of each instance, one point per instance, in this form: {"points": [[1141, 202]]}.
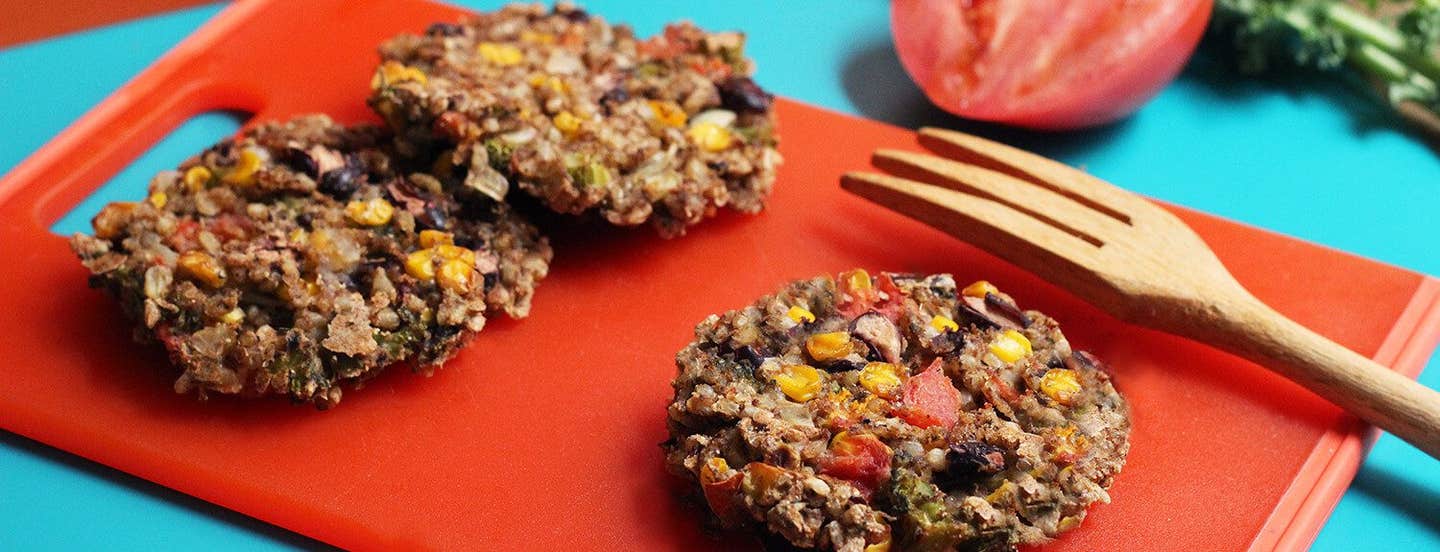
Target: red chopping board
{"points": [[27, 20], [543, 433]]}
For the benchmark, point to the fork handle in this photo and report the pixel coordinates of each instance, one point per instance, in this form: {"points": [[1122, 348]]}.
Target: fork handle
{"points": [[1243, 325]]}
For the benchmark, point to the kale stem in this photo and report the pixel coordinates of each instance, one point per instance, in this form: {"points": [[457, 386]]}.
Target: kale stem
{"points": [[1370, 32], [1404, 69], [1377, 63], [1361, 26], [1299, 20]]}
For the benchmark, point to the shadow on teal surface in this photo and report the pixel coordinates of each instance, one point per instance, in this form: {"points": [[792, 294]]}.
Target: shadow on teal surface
{"points": [[131, 183], [1369, 111], [1418, 502], [1394, 502]]}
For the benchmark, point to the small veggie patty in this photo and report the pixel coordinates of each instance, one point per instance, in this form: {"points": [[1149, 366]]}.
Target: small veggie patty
{"points": [[583, 115]]}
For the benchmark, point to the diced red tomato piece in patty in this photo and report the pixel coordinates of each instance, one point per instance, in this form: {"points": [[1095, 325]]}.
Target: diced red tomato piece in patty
{"points": [[859, 459], [929, 399]]}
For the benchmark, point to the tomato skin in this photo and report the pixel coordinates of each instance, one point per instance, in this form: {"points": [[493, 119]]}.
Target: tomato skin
{"points": [[893, 306], [762, 478], [868, 299], [720, 495], [860, 459], [168, 339], [229, 226], [944, 46], [858, 293], [185, 237], [929, 399]]}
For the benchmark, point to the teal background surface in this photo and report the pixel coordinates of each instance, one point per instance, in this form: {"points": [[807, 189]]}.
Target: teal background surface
{"points": [[1307, 157]]}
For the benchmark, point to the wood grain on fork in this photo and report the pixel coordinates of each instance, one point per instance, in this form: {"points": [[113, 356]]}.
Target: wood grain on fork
{"points": [[1132, 259]]}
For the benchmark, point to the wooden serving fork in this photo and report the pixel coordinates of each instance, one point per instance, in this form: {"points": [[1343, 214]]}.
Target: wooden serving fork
{"points": [[1132, 259]]}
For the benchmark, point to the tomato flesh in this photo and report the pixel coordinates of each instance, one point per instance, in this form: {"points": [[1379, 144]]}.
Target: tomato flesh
{"points": [[860, 459], [929, 399], [1051, 65], [882, 296]]}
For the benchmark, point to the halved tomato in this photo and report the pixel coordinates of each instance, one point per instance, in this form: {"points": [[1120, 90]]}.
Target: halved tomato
{"points": [[1045, 64]]}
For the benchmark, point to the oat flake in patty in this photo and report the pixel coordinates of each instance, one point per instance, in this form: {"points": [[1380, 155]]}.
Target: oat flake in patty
{"points": [[894, 413]]}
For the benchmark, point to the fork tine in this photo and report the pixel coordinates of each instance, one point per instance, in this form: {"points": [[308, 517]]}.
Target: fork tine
{"points": [[992, 226], [1037, 201], [1058, 177]]}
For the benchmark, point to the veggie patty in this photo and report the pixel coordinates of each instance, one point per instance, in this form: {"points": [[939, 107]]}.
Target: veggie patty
{"points": [[894, 412], [583, 115], [300, 258]]}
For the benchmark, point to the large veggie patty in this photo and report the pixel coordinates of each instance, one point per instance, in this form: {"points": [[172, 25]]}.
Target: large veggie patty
{"points": [[300, 258], [894, 412]]}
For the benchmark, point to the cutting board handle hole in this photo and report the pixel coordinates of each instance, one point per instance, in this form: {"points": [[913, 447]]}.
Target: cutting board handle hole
{"points": [[132, 182]]}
